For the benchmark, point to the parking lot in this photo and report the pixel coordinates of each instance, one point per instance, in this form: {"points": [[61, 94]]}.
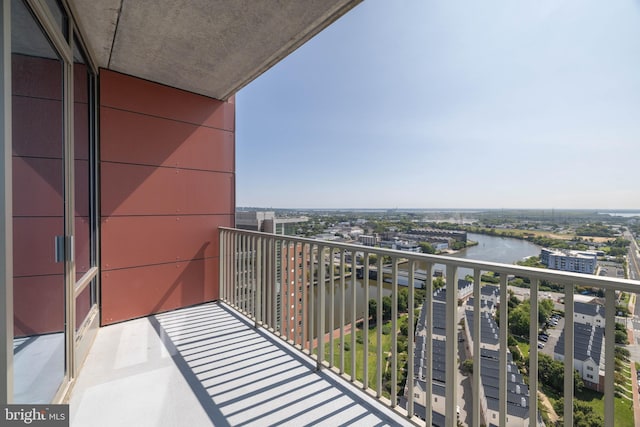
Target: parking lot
{"points": [[554, 334]]}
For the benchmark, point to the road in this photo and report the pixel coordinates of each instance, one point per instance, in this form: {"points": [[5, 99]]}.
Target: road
{"points": [[634, 261]]}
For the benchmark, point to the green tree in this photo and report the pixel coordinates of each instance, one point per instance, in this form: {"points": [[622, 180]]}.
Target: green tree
{"points": [[403, 300], [427, 248], [386, 308], [519, 320], [621, 337], [438, 283], [373, 310]]}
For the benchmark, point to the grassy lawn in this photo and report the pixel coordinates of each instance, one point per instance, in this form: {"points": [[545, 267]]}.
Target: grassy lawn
{"points": [[625, 298], [372, 358], [524, 347], [623, 407]]}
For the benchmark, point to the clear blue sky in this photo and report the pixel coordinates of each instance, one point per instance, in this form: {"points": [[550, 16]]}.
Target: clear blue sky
{"points": [[450, 104]]}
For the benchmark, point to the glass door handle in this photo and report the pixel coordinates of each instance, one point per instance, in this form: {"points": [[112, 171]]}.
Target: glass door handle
{"points": [[59, 248], [64, 248]]}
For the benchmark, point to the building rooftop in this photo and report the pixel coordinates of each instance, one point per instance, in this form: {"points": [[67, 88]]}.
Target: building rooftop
{"points": [[588, 309], [587, 342]]}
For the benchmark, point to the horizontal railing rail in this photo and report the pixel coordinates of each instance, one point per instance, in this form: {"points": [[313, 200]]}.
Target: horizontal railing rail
{"points": [[316, 295]]}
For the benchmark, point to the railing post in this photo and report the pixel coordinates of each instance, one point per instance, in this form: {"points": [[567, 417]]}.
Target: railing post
{"points": [[410, 339], [476, 334], [379, 322], [342, 308], [502, 360], [533, 354], [428, 346], [259, 282], [305, 289], [568, 354], [609, 357], [332, 305], [313, 270], [365, 328], [394, 331], [321, 309], [451, 376], [354, 317], [285, 290]]}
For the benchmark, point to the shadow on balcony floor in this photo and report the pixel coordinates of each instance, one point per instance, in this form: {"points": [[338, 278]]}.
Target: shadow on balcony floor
{"points": [[207, 365]]}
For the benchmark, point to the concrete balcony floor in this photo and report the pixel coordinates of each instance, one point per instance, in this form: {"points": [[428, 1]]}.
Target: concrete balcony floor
{"points": [[207, 366]]}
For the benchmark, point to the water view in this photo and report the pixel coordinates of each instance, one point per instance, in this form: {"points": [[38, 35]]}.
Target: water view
{"points": [[489, 248]]}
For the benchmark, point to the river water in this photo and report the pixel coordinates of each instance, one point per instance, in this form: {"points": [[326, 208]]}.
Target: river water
{"points": [[490, 249]]}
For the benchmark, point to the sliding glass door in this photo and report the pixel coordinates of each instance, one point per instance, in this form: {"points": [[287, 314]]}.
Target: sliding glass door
{"points": [[54, 201]]}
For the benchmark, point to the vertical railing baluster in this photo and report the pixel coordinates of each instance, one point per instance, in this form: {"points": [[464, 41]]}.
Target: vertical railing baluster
{"points": [[254, 275], [502, 359], [268, 286], [259, 282], [451, 350], [354, 319], [428, 346], [304, 289], [476, 335], [533, 353], [285, 298], [379, 322], [342, 308], [394, 330], [332, 304], [365, 326], [274, 286], [609, 357], [568, 354], [313, 271], [245, 274], [410, 338], [321, 305]]}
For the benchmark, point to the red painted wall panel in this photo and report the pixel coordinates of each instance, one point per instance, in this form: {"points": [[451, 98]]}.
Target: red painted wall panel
{"points": [[133, 94], [167, 184], [133, 292], [148, 190], [148, 140], [132, 241]]}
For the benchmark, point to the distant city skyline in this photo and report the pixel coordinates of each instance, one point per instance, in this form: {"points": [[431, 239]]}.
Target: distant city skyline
{"points": [[446, 105]]}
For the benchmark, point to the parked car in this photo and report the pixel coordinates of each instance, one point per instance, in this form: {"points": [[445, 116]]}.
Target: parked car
{"points": [[540, 344]]}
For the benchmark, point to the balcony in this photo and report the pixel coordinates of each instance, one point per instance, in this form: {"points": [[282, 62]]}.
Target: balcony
{"points": [[273, 351]]}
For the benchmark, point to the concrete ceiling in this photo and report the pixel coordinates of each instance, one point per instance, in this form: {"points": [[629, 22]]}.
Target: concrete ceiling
{"points": [[210, 47]]}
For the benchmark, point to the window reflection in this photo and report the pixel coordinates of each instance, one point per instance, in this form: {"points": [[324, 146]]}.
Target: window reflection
{"points": [[38, 209]]}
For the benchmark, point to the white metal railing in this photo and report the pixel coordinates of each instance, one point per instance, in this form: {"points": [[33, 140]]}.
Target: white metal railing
{"points": [[283, 282]]}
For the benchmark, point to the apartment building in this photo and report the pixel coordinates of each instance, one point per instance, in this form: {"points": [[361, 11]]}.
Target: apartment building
{"points": [[575, 261]]}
